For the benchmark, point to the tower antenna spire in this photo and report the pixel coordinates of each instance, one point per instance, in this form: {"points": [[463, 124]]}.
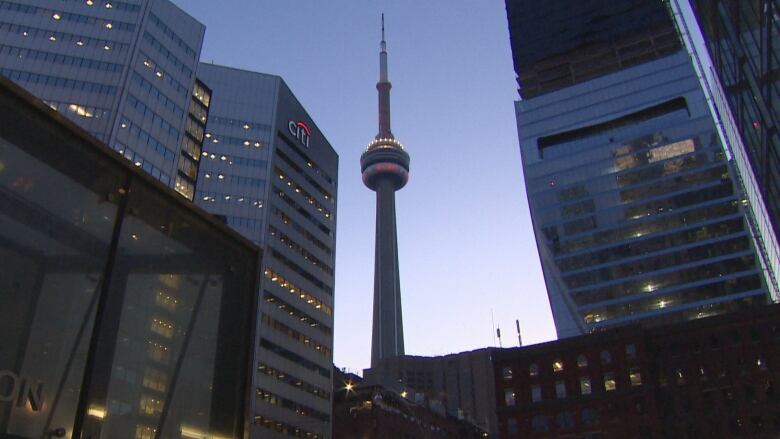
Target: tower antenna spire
{"points": [[385, 169]]}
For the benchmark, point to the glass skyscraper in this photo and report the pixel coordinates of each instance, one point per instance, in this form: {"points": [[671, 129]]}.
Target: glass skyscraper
{"points": [[129, 73], [269, 173], [123, 70], [732, 44], [636, 214]]}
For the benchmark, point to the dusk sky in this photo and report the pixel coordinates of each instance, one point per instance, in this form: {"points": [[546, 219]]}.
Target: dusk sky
{"points": [[464, 232]]}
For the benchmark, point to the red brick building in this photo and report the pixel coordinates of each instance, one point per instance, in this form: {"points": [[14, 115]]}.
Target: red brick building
{"points": [[708, 378]]}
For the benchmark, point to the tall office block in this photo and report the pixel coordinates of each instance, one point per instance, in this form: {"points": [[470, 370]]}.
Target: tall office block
{"points": [[732, 44], [272, 175], [123, 70], [385, 168], [635, 211]]}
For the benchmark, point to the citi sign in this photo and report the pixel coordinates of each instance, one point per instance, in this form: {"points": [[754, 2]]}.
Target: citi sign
{"points": [[300, 131]]}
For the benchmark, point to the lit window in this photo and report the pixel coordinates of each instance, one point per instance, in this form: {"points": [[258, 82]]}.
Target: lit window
{"points": [[536, 393], [166, 301], [506, 373], [158, 352], [582, 361], [56, 16], [151, 405], [246, 126], [585, 388], [90, 3], [635, 377], [79, 43], [145, 432], [509, 397], [155, 380], [533, 370], [106, 47], [109, 26], [557, 366], [24, 33], [159, 74], [247, 143], [560, 389], [679, 377], [162, 327], [609, 381], [52, 38], [109, 5]]}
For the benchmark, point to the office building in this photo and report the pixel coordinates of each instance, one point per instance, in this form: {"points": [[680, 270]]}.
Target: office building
{"points": [[708, 378], [271, 174], [635, 210], [122, 70], [730, 41], [125, 311], [127, 72], [385, 168], [460, 384]]}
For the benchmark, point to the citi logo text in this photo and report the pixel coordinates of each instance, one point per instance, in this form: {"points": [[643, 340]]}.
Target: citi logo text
{"points": [[300, 131]]}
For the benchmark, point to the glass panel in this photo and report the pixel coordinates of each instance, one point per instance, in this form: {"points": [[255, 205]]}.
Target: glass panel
{"points": [[174, 287], [55, 231]]}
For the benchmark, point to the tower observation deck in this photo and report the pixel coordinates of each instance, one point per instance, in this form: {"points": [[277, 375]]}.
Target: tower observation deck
{"points": [[385, 169]]}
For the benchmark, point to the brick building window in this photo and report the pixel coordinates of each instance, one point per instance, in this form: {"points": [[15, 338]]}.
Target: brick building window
{"points": [[536, 393], [506, 373], [609, 381], [540, 424], [631, 351], [585, 388], [509, 397], [635, 377], [560, 389], [533, 370], [582, 361]]}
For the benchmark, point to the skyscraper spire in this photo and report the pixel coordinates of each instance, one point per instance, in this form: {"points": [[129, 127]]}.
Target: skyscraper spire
{"points": [[385, 168], [383, 88]]}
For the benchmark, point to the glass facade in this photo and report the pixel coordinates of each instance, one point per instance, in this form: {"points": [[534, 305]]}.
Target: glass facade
{"points": [[279, 192], [733, 44], [123, 70], [634, 205], [741, 37], [567, 42], [124, 312]]}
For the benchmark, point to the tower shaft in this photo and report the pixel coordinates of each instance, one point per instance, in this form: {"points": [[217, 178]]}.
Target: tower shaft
{"points": [[387, 338], [385, 169]]}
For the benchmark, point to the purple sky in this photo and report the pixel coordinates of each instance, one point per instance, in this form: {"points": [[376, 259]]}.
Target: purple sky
{"points": [[464, 233]]}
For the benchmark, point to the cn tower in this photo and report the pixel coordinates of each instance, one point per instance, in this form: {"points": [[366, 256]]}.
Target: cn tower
{"points": [[385, 168]]}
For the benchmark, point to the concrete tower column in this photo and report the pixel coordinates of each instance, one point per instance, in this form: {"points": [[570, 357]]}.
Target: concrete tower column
{"points": [[385, 168]]}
